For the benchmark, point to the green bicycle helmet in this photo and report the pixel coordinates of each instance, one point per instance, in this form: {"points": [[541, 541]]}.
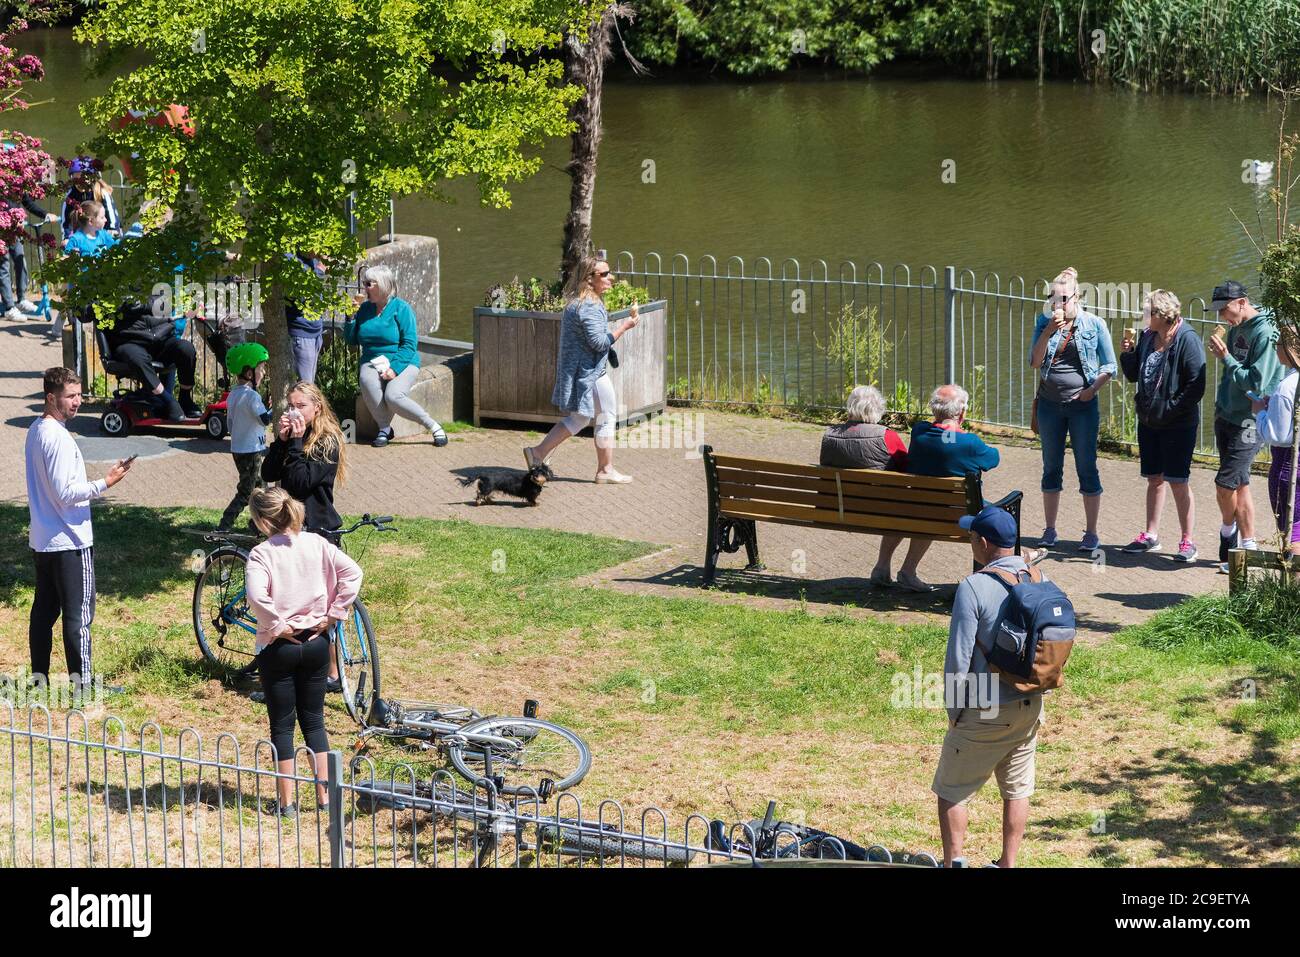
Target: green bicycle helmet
{"points": [[246, 355]]}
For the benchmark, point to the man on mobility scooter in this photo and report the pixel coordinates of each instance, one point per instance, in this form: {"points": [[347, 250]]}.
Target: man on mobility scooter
{"points": [[142, 345]]}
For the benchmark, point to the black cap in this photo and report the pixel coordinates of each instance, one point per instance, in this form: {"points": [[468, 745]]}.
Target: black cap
{"points": [[1224, 293]]}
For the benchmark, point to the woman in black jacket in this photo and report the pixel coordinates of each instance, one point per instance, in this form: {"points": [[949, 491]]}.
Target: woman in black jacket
{"points": [[1167, 361], [307, 457]]}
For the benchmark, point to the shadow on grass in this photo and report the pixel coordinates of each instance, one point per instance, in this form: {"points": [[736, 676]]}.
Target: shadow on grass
{"points": [[1238, 809], [857, 592], [138, 551]]}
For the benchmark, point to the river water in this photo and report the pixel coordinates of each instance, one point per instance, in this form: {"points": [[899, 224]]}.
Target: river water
{"points": [[1129, 188]]}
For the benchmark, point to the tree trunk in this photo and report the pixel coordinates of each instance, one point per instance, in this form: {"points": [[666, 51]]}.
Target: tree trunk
{"points": [[584, 66], [275, 329], [1042, 23]]}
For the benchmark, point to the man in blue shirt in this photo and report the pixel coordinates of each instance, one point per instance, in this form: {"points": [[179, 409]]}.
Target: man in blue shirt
{"points": [[941, 447], [938, 448]]}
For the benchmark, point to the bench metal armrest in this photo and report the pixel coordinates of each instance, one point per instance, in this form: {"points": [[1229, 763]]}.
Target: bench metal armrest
{"points": [[1011, 498]]}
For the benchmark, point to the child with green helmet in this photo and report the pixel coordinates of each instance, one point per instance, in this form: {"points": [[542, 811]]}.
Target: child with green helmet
{"points": [[247, 417]]}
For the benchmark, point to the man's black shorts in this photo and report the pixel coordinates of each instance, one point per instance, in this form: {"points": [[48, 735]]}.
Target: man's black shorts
{"points": [[1238, 445]]}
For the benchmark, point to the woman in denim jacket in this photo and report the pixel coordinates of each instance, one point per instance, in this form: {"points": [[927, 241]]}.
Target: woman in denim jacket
{"points": [[1073, 352]]}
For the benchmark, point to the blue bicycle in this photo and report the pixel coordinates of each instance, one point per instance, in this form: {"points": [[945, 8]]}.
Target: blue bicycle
{"points": [[226, 628]]}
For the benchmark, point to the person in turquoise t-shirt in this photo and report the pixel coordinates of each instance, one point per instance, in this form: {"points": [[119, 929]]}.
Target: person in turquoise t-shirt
{"points": [[91, 238], [384, 327]]}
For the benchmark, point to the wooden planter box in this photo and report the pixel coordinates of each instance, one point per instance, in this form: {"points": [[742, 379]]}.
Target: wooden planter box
{"points": [[516, 352]]}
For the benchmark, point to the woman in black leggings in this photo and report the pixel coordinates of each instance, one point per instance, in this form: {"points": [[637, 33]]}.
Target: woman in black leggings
{"points": [[299, 586]]}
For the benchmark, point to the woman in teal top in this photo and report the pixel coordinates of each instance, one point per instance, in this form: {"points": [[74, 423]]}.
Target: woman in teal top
{"points": [[384, 327]]}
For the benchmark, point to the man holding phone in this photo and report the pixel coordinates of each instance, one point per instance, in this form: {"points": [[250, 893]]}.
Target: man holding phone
{"points": [[62, 542]]}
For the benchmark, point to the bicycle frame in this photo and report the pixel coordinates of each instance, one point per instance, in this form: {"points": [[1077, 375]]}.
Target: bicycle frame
{"points": [[231, 616], [445, 729]]}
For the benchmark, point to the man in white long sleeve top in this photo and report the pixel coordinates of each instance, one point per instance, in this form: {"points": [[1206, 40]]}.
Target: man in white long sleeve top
{"points": [[58, 498]]}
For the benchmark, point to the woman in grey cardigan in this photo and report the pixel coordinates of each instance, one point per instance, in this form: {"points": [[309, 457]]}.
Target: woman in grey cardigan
{"points": [[582, 384]]}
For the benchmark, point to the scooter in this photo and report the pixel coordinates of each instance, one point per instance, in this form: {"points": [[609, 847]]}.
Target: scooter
{"points": [[139, 408]]}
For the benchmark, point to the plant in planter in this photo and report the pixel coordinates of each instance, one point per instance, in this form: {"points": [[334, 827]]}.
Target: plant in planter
{"points": [[537, 295]]}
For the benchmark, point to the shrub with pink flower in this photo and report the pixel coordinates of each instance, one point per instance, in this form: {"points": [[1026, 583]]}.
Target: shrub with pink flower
{"points": [[25, 169]]}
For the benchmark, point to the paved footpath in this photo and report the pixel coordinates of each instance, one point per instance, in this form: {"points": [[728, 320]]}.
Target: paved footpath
{"points": [[665, 505]]}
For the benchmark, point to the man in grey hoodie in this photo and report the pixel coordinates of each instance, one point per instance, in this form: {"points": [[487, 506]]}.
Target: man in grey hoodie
{"points": [[997, 736]]}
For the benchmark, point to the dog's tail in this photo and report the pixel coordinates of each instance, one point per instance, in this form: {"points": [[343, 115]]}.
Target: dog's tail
{"points": [[467, 480]]}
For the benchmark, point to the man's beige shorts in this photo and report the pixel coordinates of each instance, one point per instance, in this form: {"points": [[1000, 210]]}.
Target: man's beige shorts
{"points": [[976, 748]]}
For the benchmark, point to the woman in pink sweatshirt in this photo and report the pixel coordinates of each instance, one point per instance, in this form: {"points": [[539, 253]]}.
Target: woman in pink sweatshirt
{"points": [[298, 586]]}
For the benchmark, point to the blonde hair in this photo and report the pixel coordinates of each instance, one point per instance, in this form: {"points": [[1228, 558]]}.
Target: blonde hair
{"points": [[1069, 278], [101, 189], [580, 280], [277, 510], [1288, 344], [1163, 304], [323, 440]]}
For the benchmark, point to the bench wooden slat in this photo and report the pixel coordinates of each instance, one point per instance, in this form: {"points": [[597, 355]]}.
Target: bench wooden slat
{"points": [[731, 492], [837, 527], [954, 496], [881, 524], [874, 476]]}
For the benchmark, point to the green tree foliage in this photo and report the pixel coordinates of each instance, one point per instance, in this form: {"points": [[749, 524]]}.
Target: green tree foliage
{"points": [[746, 37], [298, 103], [1207, 45]]}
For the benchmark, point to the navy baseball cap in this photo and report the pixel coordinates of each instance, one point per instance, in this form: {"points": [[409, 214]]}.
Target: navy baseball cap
{"points": [[1224, 293], [995, 524]]}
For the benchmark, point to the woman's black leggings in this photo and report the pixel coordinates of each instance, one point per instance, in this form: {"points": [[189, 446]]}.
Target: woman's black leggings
{"points": [[293, 679]]}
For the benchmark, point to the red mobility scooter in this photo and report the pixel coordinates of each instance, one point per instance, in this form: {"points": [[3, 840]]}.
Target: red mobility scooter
{"points": [[138, 408]]}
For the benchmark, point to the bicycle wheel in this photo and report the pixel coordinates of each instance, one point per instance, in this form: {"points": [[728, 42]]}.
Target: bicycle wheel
{"points": [[538, 750], [358, 657], [223, 623]]}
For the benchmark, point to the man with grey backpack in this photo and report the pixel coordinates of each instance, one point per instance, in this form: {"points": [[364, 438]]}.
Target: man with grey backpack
{"points": [[1011, 633]]}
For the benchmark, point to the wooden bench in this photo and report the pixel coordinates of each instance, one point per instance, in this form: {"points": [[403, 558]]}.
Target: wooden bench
{"points": [[744, 491]]}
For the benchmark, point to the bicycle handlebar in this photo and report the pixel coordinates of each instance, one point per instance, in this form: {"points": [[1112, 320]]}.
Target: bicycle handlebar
{"points": [[380, 523]]}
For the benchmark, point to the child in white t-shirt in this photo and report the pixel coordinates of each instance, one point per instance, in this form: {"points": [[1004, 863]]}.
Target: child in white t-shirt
{"points": [[247, 416]]}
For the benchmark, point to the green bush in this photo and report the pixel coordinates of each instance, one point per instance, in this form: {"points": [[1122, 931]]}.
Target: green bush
{"points": [[538, 295], [856, 342]]}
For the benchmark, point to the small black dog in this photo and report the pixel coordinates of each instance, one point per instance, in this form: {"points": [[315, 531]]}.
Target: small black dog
{"points": [[526, 485]]}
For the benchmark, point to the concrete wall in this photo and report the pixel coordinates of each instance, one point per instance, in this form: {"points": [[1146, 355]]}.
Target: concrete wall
{"points": [[414, 261], [445, 389]]}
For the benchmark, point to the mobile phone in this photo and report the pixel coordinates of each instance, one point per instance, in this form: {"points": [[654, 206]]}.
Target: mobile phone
{"points": [[129, 459]]}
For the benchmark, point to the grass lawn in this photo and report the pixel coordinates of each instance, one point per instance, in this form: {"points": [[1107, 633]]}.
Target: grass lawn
{"points": [[1167, 746]]}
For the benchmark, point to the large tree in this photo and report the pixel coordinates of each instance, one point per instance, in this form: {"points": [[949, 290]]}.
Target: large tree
{"points": [[298, 103]]}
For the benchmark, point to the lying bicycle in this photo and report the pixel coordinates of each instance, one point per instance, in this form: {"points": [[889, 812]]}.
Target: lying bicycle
{"points": [[505, 755]]}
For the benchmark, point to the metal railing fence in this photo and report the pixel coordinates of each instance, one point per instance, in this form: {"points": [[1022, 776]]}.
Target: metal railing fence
{"points": [[796, 335], [92, 797]]}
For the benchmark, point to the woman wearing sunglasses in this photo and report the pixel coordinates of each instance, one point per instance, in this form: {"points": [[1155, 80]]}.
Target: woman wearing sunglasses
{"points": [[384, 327], [583, 387], [1072, 350]]}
